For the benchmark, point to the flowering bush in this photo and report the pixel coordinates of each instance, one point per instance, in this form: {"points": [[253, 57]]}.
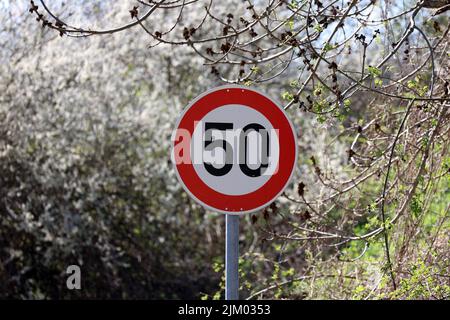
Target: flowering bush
{"points": [[91, 92]]}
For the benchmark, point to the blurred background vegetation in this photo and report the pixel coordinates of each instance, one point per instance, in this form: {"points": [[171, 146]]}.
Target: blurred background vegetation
{"points": [[86, 178]]}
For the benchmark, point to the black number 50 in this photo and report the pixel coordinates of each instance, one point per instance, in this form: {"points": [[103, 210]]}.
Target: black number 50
{"points": [[211, 144]]}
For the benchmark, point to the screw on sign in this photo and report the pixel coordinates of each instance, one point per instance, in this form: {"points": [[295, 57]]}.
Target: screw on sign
{"points": [[234, 152]]}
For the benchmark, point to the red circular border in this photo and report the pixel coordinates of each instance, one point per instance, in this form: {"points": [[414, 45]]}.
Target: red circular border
{"points": [[267, 192]]}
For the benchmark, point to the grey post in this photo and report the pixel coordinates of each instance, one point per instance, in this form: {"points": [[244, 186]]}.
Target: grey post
{"points": [[232, 257]]}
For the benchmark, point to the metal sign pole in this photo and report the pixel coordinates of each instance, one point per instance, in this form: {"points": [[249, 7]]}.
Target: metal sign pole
{"points": [[232, 257]]}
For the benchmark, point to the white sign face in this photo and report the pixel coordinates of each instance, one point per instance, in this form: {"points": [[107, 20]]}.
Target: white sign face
{"points": [[251, 146], [228, 153]]}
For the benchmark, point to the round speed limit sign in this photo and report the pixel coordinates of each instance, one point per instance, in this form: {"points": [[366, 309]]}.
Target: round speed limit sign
{"points": [[234, 149]]}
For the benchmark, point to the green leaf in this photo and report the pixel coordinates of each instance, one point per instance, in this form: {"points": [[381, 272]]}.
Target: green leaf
{"points": [[347, 103], [378, 82], [374, 71]]}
